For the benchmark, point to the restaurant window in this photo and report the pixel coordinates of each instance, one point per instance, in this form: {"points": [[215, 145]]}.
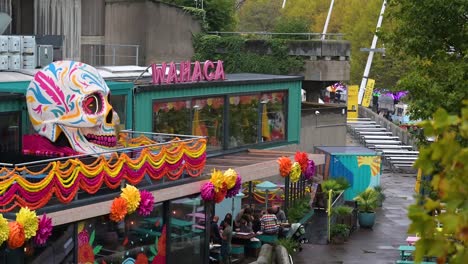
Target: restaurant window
{"points": [[119, 104], [243, 120], [59, 248], [207, 120], [187, 230], [10, 132], [136, 239], [172, 117], [273, 112]]}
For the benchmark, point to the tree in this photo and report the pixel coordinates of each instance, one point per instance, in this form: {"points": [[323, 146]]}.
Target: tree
{"points": [[220, 14], [258, 15], [442, 221], [432, 36]]}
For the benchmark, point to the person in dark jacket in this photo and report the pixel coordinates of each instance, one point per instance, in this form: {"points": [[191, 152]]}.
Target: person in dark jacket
{"points": [[215, 236]]}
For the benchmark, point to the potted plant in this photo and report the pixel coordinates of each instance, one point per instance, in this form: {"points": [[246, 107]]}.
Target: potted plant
{"points": [[381, 195], [338, 233], [367, 202], [343, 215]]}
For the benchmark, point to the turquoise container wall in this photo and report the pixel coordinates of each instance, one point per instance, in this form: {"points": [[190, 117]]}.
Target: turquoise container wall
{"points": [[360, 166], [144, 99], [360, 177]]}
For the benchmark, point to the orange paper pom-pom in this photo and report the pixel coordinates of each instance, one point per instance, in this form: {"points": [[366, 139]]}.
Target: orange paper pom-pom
{"points": [[221, 194], [17, 236], [303, 159], [284, 166], [118, 209]]}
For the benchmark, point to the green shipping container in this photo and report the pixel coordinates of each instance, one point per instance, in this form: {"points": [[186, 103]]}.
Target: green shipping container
{"points": [[360, 166]]}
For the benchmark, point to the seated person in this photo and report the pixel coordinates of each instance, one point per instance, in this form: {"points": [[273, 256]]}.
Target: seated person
{"points": [[245, 224], [280, 215], [256, 225], [269, 223], [215, 236], [246, 210]]}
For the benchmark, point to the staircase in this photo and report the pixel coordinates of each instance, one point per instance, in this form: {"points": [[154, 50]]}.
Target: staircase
{"points": [[386, 138]]}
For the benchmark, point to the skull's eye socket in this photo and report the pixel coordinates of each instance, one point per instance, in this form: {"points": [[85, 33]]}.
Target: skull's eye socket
{"points": [[92, 104]]}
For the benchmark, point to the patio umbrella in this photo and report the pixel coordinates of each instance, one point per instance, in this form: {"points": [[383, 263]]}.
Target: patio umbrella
{"points": [[266, 186]]}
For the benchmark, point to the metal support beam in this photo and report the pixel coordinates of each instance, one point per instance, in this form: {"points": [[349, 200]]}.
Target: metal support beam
{"points": [[365, 76]]}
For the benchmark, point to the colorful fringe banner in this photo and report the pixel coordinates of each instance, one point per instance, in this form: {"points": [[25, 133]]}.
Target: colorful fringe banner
{"points": [[25, 188]]}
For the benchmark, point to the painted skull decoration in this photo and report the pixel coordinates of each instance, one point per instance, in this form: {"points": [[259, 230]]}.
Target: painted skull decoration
{"points": [[72, 98]]}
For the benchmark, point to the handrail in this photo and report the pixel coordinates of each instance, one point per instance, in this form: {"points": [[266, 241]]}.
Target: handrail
{"points": [[308, 34]]}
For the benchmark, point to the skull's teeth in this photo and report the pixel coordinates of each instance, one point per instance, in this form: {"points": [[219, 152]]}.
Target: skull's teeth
{"points": [[102, 140]]}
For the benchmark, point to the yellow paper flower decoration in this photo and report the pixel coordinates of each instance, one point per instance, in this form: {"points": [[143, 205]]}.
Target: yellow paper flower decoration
{"points": [[217, 179], [28, 219], [4, 230], [132, 196], [295, 173], [230, 177]]}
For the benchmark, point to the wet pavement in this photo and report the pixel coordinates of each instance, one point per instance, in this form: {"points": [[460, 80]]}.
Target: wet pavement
{"points": [[379, 245]]}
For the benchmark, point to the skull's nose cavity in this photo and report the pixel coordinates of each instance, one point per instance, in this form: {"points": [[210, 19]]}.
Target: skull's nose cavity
{"points": [[109, 117]]}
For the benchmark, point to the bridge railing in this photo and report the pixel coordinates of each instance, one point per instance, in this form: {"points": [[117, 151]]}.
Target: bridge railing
{"points": [[304, 35]]}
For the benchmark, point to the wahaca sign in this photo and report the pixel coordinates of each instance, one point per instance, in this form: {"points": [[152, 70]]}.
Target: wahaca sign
{"points": [[183, 72]]}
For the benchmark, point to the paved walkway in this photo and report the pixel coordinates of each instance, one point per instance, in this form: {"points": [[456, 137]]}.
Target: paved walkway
{"points": [[372, 246]]}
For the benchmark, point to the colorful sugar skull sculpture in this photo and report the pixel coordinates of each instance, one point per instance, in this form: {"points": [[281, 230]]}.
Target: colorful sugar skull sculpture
{"points": [[72, 98]]}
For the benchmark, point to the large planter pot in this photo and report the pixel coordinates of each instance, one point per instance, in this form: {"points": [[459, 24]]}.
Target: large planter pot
{"points": [[366, 220]]}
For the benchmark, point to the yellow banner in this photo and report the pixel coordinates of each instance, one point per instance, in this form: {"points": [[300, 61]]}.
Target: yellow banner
{"points": [[353, 101], [368, 93]]}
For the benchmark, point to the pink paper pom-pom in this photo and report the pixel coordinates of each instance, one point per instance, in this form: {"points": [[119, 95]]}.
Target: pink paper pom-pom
{"points": [[44, 231], [146, 203], [207, 191], [310, 171]]}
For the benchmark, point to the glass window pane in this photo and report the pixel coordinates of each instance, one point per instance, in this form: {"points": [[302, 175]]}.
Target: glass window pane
{"points": [[172, 117], [135, 239], [119, 104], [243, 120], [9, 132], [208, 119], [187, 230], [273, 116]]}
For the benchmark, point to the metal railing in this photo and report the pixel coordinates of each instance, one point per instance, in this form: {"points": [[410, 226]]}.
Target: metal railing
{"points": [[110, 54], [305, 35]]}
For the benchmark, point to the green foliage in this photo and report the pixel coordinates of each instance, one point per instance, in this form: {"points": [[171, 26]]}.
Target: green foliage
{"points": [[339, 230], [258, 15], [431, 37], [289, 244], [198, 14], [380, 193], [237, 59], [367, 200], [219, 15], [337, 185], [445, 159], [294, 25], [342, 210], [298, 210]]}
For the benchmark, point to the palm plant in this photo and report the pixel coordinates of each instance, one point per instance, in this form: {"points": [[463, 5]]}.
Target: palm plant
{"points": [[367, 200]]}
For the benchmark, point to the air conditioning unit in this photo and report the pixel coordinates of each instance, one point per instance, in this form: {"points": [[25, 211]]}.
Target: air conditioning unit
{"points": [[3, 44], [45, 55], [14, 62], [14, 44], [28, 44]]}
